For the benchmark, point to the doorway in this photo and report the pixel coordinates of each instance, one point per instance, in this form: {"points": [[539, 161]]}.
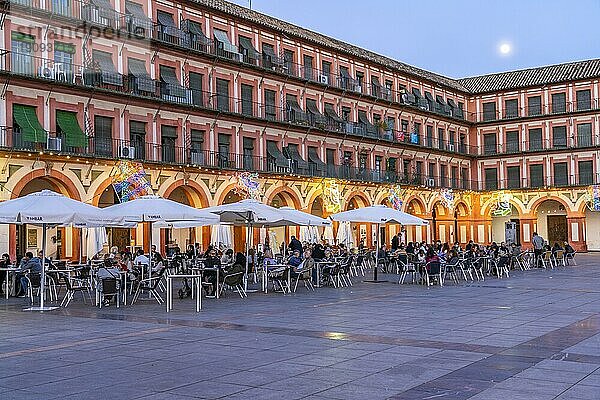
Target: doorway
{"points": [[557, 229]]}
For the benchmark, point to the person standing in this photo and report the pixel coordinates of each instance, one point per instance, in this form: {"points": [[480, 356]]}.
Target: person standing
{"points": [[295, 245], [395, 243], [538, 247]]}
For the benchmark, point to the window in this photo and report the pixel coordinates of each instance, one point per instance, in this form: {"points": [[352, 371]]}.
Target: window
{"points": [[431, 171], [454, 177], [347, 158], [223, 150], [513, 177], [330, 156], [536, 175], [416, 139], [360, 78], [489, 111], [288, 58], [308, 67], [195, 84], [452, 138], [418, 178], [559, 103], [511, 108], [103, 127], [270, 110], [584, 99], [344, 77], [462, 143], [168, 137], [222, 94], [534, 105], [584, 135], [346, 114], [489, 144], [443, 175], [22, 53], [391, 165], [429, 136], [561, 177], [197, 144], [404, 124], [137, 138], [248, 154], [559, 136], [247, 103], [378, 161], [491, 178], [326, 70], [464, 174], [441, 141], [405, 170], [63, 56], [512, 142], [586, 172], [535, 139]]}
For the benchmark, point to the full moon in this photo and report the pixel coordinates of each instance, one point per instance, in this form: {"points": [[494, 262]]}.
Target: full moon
{"points": [[505, 48]]}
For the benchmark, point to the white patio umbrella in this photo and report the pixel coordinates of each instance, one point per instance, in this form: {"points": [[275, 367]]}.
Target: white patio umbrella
{"points": [[328, 234], [301, 218], [378, 214], [344, 234], [221, 234], [163, 212], [47, 209], [95, 238]]}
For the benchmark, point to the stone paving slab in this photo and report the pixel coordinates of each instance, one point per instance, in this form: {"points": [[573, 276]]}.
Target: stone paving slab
{"points": [[535, 336]]}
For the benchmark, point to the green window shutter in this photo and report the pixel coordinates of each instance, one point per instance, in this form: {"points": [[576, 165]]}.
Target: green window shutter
{"points": [[21, 37], [64, 47], [74, 136], [27, 120]]}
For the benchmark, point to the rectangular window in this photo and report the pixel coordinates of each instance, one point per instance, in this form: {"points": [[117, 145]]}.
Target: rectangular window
{"points": [[454, 177], [222, 94], [584, 135], [511, 108], [168, 138], [491, 178], [270, 109], [441, 141], [559, 136], [464, 174], [586, 172], [330, 156], [103, 127], [418, 178], [63, 56], [404, 125], [489, 111], [534, 105], [561, 177], [431, 171], [22, 46], [137, 138], [248, 154], [536, 175], [512, 142], [535, 139], [308, 67], [223, 155], [559, 103], [513, 177], [288, 58], [197, 140], [195, 84], [584, 100], [443, 175], [247, 103], [489, 144], [326, 71], [346, 114], [429, 136]]}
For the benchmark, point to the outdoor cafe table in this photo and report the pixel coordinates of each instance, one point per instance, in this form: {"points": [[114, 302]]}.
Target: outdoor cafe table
{"points": [[10, 271], [201, 270], [273, 267], [197, 281], [320, 265]]}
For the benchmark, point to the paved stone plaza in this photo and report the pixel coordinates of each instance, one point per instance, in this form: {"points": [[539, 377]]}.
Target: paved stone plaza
{"points": [[533, 336]]}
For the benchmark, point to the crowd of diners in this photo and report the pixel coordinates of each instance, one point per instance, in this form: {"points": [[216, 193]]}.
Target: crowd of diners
{"points": [[296, 255]]}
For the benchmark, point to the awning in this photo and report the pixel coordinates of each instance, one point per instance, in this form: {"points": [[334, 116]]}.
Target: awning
{"points": [[429, 97], [362, 117], [275, 153], [168, 131], [417, 93], [221, 36], [452, 103], [409, 98], [293, 104], [165, 19], [345, 74], [246, 44], [74, 136], [375, 81], [295, 155], [137, 12], [311, 106], [314, 158], [31, 129], [196, 29], [440, 100], [108, 71], [330, 112], [105, 9], [168, 76], [137, 68]]}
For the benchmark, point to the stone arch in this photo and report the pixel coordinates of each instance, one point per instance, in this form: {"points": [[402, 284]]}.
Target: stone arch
{"points": [[223, 194], [382, 198], [316, 207], [57, 180], [515, 202], [356, 199], [462, 209], [195, 193], [415, 206], [291, 198], [535, 205]]}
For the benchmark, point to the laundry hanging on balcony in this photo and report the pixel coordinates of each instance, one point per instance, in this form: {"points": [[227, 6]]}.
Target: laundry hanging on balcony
{"points": [[143, 81], [108, 73], [73, 134], [31, 129]]}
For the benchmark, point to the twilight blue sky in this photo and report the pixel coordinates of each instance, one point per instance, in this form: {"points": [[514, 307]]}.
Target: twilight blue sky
{"points": [[456, 38]]}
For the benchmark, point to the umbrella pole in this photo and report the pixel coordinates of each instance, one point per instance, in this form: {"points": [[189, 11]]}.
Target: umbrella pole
{"points": [[247, 255], [376, 253], [150, 262], [43, 282]]}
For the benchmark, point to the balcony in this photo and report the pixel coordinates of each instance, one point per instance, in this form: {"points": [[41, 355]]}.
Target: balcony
{"points": [[538, 110]]}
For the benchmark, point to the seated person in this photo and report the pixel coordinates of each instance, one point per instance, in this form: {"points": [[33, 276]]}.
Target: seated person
{"points": [[107, 271], [556, 248], [268, 258], [30, 264], [210, 276], [157, 259], [4, 263], [141, 258], [569, 249], [227, 258], [318, 252], [295, 260]]}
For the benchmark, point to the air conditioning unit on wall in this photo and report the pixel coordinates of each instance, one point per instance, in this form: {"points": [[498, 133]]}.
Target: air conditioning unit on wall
{"points": [[127, 152]]}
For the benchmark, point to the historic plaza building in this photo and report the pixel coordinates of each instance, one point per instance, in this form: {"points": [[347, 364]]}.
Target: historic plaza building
{"points": [[201, 92]]}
